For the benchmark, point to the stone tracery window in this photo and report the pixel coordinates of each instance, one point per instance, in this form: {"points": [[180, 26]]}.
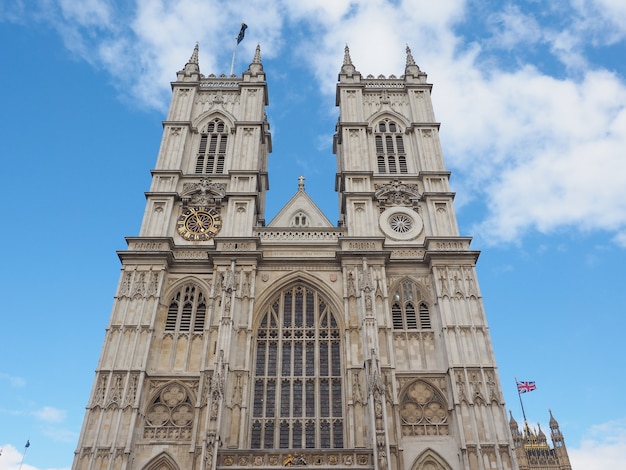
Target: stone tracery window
{"points": [[423, 411], [170, 414], [298, 396], [212, 149], [187, 310], [409, 311], [390, 153]]}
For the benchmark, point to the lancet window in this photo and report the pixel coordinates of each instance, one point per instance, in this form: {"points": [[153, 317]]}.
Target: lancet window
{"points": [[300, 219], [298, 396], [409, 311], [212, 149], [187, 310], [390, 153]]}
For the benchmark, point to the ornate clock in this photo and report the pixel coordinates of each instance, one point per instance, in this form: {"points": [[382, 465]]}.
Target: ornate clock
{"points": [[199, 223]]}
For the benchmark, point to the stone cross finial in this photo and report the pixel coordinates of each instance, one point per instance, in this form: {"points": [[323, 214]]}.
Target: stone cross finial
{"points": [[301, 183]]}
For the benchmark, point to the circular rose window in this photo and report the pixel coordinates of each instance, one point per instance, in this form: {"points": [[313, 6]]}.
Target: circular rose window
{"points": [[400, 223]]}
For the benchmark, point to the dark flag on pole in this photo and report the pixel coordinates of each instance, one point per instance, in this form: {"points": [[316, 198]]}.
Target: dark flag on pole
{"points": [[242, 32], [27, 444]]}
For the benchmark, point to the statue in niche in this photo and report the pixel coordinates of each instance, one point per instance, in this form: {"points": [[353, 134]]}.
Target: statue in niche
{"points": [[351, 287]]}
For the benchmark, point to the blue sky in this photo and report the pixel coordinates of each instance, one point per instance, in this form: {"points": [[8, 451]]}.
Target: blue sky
{"points": [[532, 101]]}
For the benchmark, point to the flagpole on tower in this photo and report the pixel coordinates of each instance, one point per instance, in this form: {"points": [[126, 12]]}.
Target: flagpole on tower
{"points": [[524, 387], [24, 455], [519, 394], [238, 39]]}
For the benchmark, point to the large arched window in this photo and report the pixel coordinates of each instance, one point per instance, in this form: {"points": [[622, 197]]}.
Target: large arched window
{"points": [[298, 397], [187, 310], [212, 150], [408, 309], [390, 154]]}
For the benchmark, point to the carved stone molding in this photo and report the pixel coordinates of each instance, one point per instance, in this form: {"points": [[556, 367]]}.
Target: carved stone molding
{"points": [[397, 193], [203, 193]]}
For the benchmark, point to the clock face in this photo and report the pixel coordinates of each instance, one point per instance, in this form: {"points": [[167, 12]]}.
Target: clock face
{"points": [[199, 223]]}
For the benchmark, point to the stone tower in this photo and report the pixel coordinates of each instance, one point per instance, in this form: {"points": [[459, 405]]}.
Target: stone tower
{"points": [[533, 451], [239, 344]]}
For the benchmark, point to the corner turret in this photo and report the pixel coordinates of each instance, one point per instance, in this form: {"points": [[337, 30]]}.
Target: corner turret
{"points": [[191, 71], [412, 72], [255, 69]]}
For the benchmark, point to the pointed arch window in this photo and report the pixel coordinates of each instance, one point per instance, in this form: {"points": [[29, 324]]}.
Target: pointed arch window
{"points": [[409, 311], [298, 395], [300, 219], [390, 153], [187, 310], [212, 149]]}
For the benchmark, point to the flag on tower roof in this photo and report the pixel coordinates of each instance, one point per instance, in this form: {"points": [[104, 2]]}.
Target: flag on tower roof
{"points": [[242, 32], [524, 387]]}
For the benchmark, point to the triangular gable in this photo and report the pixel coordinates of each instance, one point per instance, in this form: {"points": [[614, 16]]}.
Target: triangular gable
{"points": [[300, 212]]}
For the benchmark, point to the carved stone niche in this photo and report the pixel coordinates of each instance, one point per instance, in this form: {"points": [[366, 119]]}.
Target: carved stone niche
{"points": [[397, 193], [203, 193]]}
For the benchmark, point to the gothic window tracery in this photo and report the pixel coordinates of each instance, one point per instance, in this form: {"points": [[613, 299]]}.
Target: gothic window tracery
{"points": [[212, 149], [187, 310], [390, 153], [423, 411], [298, 396], [409, 311], [170, 414]]}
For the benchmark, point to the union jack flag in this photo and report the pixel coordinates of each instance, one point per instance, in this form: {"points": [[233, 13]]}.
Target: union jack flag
{"points": [[523, 387]]}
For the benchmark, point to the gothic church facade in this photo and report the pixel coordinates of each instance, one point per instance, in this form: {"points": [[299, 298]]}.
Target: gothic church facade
{"points": [[239, 344]]}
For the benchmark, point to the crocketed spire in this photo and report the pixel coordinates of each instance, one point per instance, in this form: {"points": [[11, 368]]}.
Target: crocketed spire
{"points": [[257, 55], [411, 67], [192, 66], [347, 60], [194, 56], [256, 66], [409, 56], [347, 68]]}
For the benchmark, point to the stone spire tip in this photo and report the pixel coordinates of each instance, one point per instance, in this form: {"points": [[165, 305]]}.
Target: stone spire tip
{"points": [[409, 56], [256, 67], [191, 67], [347, 67], [257, 55], [347, 60], [411, 67]]}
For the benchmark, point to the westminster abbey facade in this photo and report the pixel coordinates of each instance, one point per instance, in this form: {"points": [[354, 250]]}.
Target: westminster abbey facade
{"points": [[236, 343]]}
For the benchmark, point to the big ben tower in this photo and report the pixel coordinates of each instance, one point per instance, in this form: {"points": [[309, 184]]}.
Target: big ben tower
{"points": [[239, 344]]}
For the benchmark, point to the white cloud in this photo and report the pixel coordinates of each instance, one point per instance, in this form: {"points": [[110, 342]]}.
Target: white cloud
{"points": [[86, 12], [604, 447], [12, 459], [50, 414], [605, 19], [13, 380], [511, 28]]}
